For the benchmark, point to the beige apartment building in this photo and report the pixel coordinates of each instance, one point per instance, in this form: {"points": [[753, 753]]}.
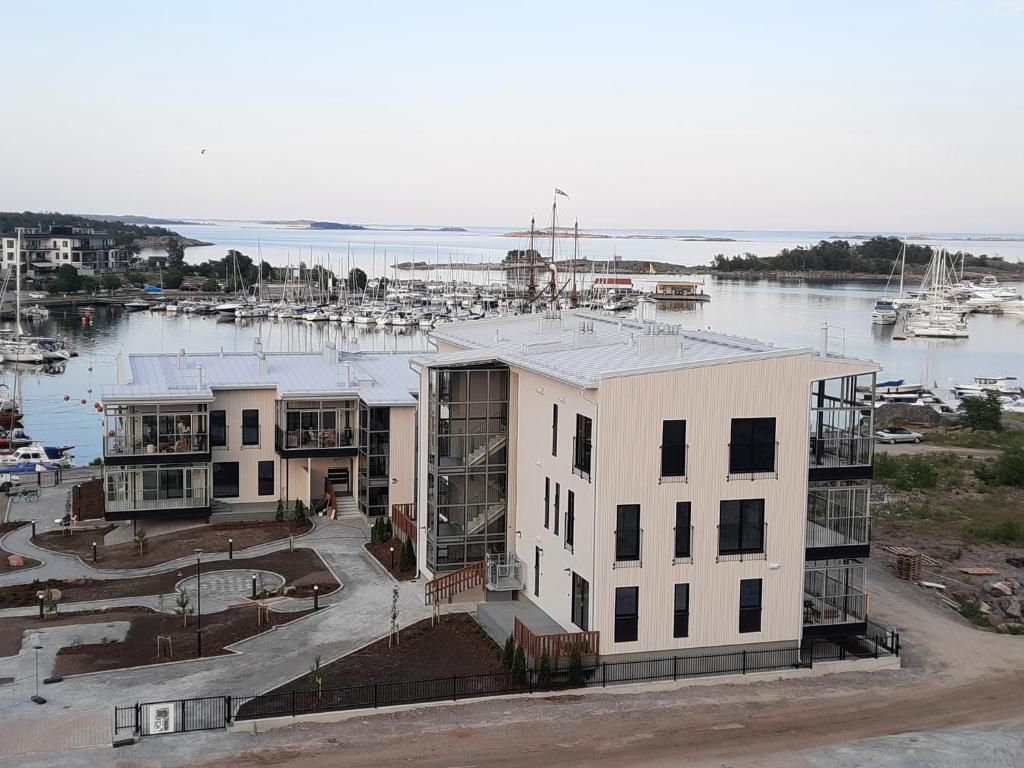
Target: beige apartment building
{"points": [[666, 489], [189, 435]]}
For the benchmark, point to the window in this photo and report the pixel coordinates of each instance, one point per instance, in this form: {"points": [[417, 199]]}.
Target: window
{"points": [[570, 519], [537, 552], [554, 429], [681, 611], [547, 502], [250, 427], [750, 605], [627, 613], [741, 527], [580, 602], [682, 546], [752, 446], [265, 478], [218, 429], [627, 533], [558, 494], [673, 448], [225, 479], [581, 446]]}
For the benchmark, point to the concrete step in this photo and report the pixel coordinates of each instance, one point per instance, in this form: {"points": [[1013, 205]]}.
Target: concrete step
{"points": [[490, 625]]}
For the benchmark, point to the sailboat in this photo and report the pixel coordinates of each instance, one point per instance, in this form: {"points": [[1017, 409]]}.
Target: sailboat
{"points": [[937, 313]]}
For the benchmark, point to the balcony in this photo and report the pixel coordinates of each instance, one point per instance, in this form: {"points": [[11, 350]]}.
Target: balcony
{"points": [[841, 445], [195, 503], [157, 491], [316, 428], [838, 520], [149, 437], [835, 600]]}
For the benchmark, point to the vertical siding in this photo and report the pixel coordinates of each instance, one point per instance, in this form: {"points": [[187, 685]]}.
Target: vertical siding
{"points": [[402, 455], [233, 402], [628, 460], [421, 491]]}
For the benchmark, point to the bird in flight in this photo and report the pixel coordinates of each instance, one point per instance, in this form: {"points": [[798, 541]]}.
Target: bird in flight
{"points": [[203, 152]]}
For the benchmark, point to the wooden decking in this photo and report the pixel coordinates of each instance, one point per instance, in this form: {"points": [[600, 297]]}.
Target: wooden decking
{"points": [[557, 646]]}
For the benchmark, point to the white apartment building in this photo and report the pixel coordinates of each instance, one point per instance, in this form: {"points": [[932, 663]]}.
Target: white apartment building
{"points": [[666, 489], [186, 435], [44, 250]]}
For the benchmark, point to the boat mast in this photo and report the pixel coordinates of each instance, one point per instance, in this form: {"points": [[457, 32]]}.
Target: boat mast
{"points": [[903, 265], [533, 278], [17, 296], [554, 225], [575, 255]]}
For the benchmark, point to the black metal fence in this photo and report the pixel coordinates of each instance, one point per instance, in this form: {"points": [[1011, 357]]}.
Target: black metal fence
{"points": [[215, 712]]}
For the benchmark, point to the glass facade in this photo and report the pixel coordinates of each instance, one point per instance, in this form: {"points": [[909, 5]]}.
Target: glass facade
{"points": [[467, 465], [374, 453]]}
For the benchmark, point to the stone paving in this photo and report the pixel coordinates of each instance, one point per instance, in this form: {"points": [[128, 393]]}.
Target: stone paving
{"points": [[222, 589], [350, 618]]}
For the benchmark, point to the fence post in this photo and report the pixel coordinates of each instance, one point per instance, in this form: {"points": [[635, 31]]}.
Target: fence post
{"points": [[744, 661], [604, 674], [375, 695], [876, 646], [455, 696], [293, 703], [227, 710], [138, 718], [529, 680]]}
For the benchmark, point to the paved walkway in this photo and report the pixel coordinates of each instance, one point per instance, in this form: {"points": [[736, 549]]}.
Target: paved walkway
{"points": [[351, 618]]}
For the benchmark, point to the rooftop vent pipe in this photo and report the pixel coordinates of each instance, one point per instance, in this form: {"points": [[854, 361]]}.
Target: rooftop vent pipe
{"points": [[181, 358], [261, 363], [199, 377]]}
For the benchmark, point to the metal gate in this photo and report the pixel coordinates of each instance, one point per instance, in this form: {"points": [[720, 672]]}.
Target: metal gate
{"points": [[175, 716]]}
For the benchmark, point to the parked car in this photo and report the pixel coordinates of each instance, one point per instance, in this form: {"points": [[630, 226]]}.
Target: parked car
{"points": [[894, 435], [37, 295], [8, 481]]}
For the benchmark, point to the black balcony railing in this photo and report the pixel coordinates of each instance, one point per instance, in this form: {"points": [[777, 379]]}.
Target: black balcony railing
{"points": [[315, 439]]}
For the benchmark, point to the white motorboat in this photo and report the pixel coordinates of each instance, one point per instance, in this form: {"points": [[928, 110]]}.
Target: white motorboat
{"points": [[364, 317], [884, 312], [35, 312], [1001, 385], [21, 352], [47, 455], [136, 305], [228, 308]]}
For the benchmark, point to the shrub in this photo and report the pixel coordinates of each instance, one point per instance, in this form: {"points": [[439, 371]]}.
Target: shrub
{"points": [[408, 559], [508, 653], [519, 663], [576, 667], [544, 671], [279, 515], [1008, 469], [984, 413], [300, 512], [906, 472], [1005, 532]]}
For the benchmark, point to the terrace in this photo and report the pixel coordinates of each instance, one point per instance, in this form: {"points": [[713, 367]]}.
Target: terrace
{"points": [[841, 442], [138, 433], [309, 428]]}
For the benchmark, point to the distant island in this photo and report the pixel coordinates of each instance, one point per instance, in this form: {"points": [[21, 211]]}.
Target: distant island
{"points": [[569, 232], [131, 219], [332, 225], [146, 236], [564, 267]]}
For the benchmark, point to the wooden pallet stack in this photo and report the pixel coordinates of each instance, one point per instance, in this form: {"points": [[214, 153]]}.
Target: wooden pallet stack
{"points": [[908, 565]]}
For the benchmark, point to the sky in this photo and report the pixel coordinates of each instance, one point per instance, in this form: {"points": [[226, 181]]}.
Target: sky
{"points": [[905, 115]]}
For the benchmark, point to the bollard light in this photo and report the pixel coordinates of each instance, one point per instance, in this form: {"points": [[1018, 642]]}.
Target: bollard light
{"points": [[254, 586], [94, 551], [392, 558], [231, 549], [316, 597]]}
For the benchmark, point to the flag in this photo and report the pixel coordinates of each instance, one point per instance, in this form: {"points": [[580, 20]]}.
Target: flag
{"points": [[560, 192]]}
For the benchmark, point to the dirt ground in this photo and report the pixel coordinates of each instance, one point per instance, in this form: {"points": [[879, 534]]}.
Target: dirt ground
{"points": [[170, 546], [424, 652], [140, 645], [302, 568], [953, 675], [382, 553], [5, 565]]}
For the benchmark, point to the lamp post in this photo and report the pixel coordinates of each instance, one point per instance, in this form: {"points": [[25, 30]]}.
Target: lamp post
{"points": [[316, 597], [94, 551], [231, 549], [254, 586], [392, 558], [199, 604], [37, 698]]}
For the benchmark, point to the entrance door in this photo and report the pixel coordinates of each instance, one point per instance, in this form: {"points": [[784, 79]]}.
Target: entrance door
{"points": [[580, 602], [341, 479]]}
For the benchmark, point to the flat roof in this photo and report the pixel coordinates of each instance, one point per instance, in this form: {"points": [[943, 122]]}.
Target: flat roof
{"points": [[377, 378], [581, 347]]}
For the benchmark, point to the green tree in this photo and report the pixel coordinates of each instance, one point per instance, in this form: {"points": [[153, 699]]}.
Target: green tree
{"points": [[125, 242], [110, 282], [508, 653], [984, 413], [175, 252], [67, 279], [173, 277], [279, 515], [544, 670], [356, 279], [519, 663], [89, 284], [408, 559], [575, 666], [210, 285]]}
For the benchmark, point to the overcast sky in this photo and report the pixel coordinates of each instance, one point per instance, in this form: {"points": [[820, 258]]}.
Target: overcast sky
{"points": [[905, 115]]}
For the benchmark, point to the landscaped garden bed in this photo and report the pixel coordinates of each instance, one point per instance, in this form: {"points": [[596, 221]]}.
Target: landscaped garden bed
{"points": [[456, 645], [301, 568], [381, 551], [12, 629], [5, 555], [139, 647], [168, 546]]}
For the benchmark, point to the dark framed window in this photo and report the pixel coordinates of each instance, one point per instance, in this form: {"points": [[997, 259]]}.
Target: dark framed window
{"points": [[218, 429], [741, 526], [673, 448], [558, 494], [580, 602], [627, 613], [750, 605], [752, 446], [681, 611], [582, 449], [682, 543], [627, 532], [554, 429], [250, 427], [547, 502], [570, 518], [537, 554], [265, 478], [225, 479]]}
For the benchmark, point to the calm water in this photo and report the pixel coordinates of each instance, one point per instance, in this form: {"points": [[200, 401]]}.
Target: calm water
{"points": [[373, 249], [784, 313]]}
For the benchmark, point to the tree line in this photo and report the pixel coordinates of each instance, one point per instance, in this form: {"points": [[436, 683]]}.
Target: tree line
{"points": [[875, 256]]}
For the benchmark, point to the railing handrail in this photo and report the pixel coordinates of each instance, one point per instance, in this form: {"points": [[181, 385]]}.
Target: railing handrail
{"points": [[450, 584], [556, 645]]}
